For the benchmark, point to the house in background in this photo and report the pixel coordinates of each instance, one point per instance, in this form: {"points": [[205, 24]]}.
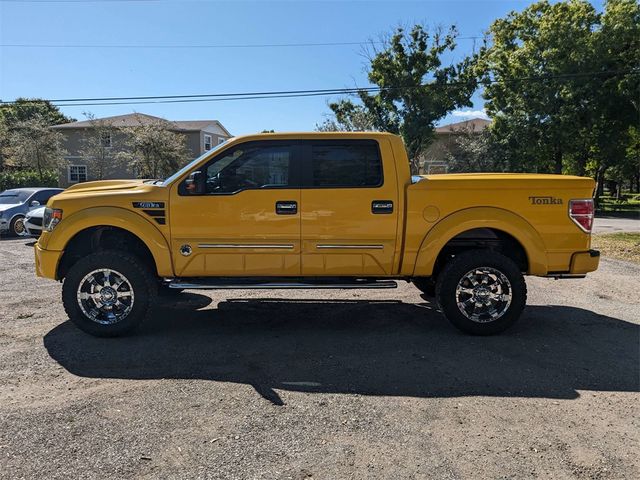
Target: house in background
{"points": [[201, 135], [434, 159]]}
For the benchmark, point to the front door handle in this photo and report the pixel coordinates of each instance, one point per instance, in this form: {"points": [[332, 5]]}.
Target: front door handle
{"points": [[286, 207], [382, 206]]}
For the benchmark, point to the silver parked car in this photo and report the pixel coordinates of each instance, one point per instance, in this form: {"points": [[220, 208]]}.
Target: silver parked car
{"points": [[15, 203]]}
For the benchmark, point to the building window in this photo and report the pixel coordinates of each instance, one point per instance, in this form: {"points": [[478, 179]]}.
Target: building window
{"points": [[77, 173], [221, 140], [207, 142], [105, 139]]}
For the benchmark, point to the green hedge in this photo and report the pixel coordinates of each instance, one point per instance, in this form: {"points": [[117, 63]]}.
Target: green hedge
{"points": [[27, 178]]}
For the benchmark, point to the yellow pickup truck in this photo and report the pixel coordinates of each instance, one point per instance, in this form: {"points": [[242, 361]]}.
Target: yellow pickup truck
{"points": [[314, 210]]}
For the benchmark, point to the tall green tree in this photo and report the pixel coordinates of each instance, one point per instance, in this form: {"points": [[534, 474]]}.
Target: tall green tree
{"points": [[561, 83], [33, 144], [23, 109], [416, 88]]}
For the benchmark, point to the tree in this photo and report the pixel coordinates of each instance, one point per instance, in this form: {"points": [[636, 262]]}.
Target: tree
{"points": [[98, 147], [347, 118], [32, 143], [475, 152], [23, 109], [416, 90], [561, 83], [154, 149], [4, 144]]}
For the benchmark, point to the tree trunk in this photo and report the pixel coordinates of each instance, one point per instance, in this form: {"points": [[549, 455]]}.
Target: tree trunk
{"points": [[599, 183], [581, 163], [557, 160]]}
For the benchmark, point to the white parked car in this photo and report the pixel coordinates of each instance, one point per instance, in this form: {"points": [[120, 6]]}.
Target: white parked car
{"points": [[33, 222]]}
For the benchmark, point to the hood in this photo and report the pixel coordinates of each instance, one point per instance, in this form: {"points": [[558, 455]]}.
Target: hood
{"points": [[7, 206], [103, 186]]}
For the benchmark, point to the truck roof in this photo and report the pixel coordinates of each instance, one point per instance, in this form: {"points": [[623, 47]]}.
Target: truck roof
{"points": [[312, 135]]}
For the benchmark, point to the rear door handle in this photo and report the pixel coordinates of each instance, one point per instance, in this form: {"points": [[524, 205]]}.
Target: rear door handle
{"points": [[382, 206], [286, 207]]}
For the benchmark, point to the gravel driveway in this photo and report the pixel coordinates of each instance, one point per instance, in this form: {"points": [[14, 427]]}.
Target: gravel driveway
{"points": [[323, 385]]}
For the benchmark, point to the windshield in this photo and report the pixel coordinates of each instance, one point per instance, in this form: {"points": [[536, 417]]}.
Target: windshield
{"points": [[14, 196], [190, 165]]}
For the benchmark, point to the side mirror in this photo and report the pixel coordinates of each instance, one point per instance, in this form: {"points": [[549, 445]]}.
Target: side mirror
{"points": [[35, 203], [194, 184]]}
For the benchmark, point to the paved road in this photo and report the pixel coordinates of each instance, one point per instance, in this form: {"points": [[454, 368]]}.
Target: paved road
{"points": [[614, 224], [322, 385]]}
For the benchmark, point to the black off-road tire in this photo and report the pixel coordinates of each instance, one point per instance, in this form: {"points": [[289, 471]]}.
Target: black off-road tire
{"points": [[12, 225], [142, 280], [457, 268], [426, 285]]}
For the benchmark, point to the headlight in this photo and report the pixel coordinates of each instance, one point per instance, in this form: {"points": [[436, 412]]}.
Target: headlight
{"points": [[52, 217]]}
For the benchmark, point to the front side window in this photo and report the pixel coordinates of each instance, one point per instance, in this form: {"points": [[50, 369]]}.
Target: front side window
{"points": [[43, 196], [77, 173], [249, 167], [346, 164]]}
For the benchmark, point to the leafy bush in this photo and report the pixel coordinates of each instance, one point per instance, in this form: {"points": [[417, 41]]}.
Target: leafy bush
{"points": [[27, 178]]}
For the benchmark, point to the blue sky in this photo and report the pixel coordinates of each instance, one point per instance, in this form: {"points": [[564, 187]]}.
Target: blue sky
{"points": [[100, 72]]}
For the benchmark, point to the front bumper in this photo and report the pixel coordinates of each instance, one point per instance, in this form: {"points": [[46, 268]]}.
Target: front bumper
{"points": [[47, 262], [4, 225], [31, 229]]}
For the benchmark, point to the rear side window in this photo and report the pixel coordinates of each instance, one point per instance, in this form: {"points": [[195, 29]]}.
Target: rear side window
{"points": [[346, 164]]}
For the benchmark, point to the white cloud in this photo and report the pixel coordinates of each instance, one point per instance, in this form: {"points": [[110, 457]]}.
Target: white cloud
{"points": [[470, 113]]}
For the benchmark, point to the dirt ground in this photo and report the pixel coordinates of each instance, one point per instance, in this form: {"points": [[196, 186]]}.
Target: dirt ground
{"points": [[323, 385]]}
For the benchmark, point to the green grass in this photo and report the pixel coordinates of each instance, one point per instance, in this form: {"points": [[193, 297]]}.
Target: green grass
{"points": [[627, 204], [621, 245]]}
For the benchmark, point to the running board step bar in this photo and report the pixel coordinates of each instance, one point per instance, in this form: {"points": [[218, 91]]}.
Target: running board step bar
{"points": [[231, 284]]}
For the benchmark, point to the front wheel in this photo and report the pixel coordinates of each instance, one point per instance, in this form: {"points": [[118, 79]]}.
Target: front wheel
{"points": [[16, 227], [481, 292], [109, 293]]}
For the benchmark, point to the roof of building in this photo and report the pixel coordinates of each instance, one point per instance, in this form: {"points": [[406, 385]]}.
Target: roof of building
{"points": [[473, 124], [135, 119]]}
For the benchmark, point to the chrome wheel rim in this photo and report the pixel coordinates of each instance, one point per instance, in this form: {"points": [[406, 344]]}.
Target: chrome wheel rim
{"points": [[484, 294], [105, 296]]}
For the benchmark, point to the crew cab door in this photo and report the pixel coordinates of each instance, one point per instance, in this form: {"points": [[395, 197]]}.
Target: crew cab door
{"points": [[349, 208], [244, 217]]}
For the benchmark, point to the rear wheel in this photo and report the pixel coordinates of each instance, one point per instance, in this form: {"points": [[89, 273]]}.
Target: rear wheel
{"points": [[481, 292], [109, 293]]}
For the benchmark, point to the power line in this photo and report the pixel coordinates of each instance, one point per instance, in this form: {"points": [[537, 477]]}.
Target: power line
{"points": [[246, 45], [199, 46], [218, 97], [84, 1]]}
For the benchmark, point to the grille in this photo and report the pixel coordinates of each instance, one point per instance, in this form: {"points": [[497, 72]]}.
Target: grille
{"points": [[35, 221]]}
